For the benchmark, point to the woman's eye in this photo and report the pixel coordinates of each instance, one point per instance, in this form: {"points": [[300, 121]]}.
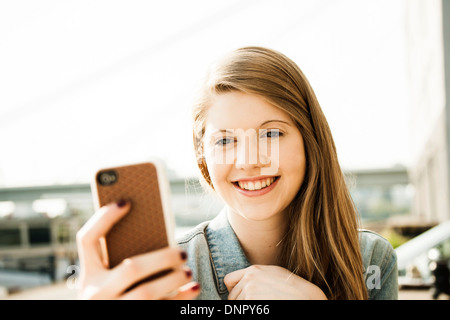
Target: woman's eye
{"points": [[273, 133], [224, 141]]}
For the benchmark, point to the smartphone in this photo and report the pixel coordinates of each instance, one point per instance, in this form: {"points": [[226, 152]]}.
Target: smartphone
{"points": [[150, 224]]}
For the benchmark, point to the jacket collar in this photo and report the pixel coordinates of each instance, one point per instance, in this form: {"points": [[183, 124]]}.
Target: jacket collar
{"points": [[226, 252]]}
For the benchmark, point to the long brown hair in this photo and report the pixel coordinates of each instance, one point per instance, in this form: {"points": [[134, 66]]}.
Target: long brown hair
{"points": [[322, 243]]}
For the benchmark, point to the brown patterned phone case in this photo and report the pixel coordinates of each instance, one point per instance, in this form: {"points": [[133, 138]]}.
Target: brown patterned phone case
{"points": [[149, 224]]}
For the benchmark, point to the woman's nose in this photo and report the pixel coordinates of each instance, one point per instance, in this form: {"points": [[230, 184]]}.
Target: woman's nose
{"points": [[246, 157], [252, 152], [248, 152]]}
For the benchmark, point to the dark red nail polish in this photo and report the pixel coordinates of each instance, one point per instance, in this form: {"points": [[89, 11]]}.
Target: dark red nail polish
{"points": [[122, 203], [183, 255], [188, 273], [195, 287]]}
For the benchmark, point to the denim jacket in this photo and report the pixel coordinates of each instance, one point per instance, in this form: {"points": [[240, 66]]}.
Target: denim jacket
{"points": [[214, 251]]}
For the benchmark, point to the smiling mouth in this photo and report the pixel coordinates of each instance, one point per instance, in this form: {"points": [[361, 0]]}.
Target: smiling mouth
{"points": [[255, 185]]}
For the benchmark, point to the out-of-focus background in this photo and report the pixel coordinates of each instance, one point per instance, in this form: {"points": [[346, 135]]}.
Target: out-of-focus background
{"points": [[90, 84]]}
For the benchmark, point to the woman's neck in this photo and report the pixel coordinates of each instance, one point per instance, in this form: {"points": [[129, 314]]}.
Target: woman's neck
{"points": [[259, 239]]}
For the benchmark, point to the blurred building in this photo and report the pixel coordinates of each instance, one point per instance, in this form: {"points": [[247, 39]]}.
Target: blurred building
{"points": [[38, 226], [428, 64]]}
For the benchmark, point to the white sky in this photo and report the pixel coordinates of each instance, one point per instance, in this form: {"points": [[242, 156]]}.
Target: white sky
{"points": [[87, 84]]}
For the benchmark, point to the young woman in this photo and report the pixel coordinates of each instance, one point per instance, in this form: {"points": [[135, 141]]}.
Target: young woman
{"points": [[289, 228]]}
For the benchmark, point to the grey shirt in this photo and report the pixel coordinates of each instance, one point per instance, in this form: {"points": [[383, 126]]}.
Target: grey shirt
{"points": [[214, 251]]}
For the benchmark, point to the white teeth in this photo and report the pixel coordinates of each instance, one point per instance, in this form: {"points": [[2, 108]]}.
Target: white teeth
{"points": [[256, 185]]}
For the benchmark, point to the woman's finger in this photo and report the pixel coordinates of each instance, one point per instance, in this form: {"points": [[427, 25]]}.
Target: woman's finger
{"points": [[236, 291], [95, 228], [142, 266], [235, 283], [187, 292], [165, 286], [233, 278]]}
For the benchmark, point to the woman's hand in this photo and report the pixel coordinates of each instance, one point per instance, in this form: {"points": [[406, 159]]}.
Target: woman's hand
{"points": [[260, 282], [99, 282]]}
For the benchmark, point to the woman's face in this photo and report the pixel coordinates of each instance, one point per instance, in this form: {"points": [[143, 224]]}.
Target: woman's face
{"points": [[254, 153]]}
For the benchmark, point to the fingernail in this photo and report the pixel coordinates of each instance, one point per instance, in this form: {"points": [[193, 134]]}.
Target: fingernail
{"points": [[188, 273], [195, 287], [122, 203], [183, 255]]}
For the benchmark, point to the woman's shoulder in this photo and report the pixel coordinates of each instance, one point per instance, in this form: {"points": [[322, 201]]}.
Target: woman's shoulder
{"points": [[197, 236], [380, 265], [375, 249], [194, 236], [373, 243]]}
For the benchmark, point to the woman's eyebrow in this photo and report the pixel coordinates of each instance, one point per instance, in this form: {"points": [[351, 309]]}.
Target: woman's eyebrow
{"points": [[232, 131], [268, 121], [222, 131]]}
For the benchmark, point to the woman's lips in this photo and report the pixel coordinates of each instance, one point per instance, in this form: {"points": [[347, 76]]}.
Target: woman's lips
{"points": [[257, 186]]}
